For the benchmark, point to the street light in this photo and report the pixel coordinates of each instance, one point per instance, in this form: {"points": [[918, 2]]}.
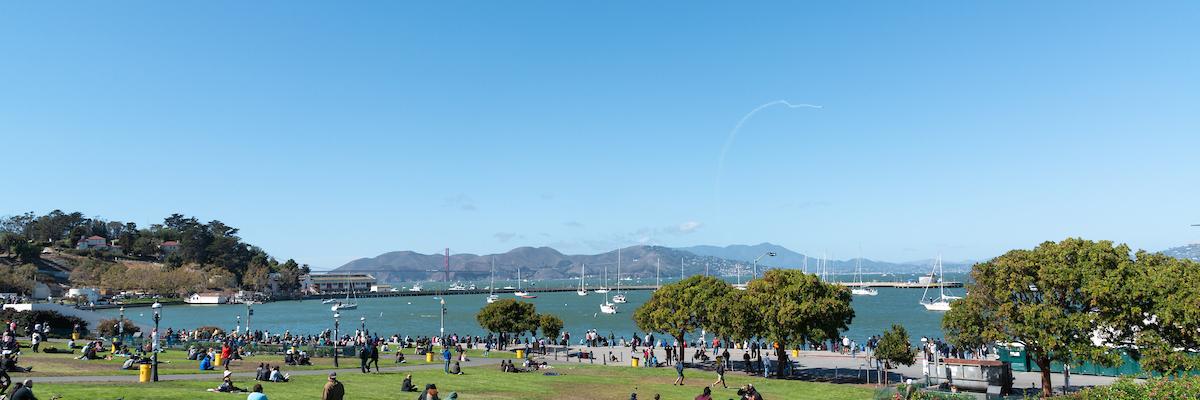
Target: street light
{"points": [[154, 347], [249, 313], [335, 333], [363, 327], [121, 326], [238, 326], [767, 254], [442, 328]]}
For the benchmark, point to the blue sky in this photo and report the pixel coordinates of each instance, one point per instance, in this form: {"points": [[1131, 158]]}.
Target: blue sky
{"points": [[328, 131]]}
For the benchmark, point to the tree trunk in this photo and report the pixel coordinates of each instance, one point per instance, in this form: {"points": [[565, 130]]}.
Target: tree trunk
{"points": [[682, 347], [781, 358], [1043, 363]]}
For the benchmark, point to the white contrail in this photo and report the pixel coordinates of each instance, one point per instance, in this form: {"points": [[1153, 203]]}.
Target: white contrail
{"points": [[733, 135]]}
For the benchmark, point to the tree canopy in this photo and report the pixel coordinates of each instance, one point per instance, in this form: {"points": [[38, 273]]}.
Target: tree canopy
{"points": [[791, 307], [1047, 299], [551, 325], [895, 348], [682, 307], [509, 316]]}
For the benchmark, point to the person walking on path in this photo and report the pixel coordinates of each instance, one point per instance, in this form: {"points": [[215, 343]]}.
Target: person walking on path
{"points": [[374, 357], [720, 374], [333, 389], [679, 373], [364, 354]]}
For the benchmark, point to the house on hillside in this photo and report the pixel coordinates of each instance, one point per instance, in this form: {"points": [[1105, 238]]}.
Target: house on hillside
{"points": [[168, 247], [92, 242], [206, 298]]}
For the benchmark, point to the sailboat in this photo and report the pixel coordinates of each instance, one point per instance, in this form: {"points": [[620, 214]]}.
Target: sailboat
{"points": [[619, 298], [608, 307], [329, 301], [492, 297], [348, 305], [739, 285], [521, 293], [861, 289], [416, 287], [582, 288], [604, 289], [458, 287], [942, 302]]}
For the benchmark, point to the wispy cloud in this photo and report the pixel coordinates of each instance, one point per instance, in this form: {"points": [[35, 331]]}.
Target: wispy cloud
{"points": [[573, 224], [504, 237], [689, 227], [460, 201]]}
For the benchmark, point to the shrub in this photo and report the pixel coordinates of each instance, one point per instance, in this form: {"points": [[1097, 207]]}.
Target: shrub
{"points": [[60, 325], [1156, 388], [108, 328]]}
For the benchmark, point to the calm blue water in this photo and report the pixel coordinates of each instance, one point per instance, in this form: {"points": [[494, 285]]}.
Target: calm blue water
{"points": [[420, 316]]}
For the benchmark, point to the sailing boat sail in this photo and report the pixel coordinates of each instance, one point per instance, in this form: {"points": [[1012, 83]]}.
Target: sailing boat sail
{"points": [[619, 298], [861, 289], [521, 293], [582, 288], [492, 297], [942, 303], [604, 288], [348, 305]]}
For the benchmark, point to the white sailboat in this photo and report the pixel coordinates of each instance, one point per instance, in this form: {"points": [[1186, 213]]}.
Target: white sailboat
{"points": [[348, 305], [582, 288], [861, 289], [942, 302], [458, 287], [492, 297], [604, 289], [619, 298], [416, 287], [740, 285], [521, 293], [608, 307]]}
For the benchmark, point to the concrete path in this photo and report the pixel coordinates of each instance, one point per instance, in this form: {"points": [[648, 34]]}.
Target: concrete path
{"points": [[249, 376]]}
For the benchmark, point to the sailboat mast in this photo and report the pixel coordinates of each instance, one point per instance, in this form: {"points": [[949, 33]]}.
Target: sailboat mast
{"points": [[618, 270], [657, 267], [492, 286]]}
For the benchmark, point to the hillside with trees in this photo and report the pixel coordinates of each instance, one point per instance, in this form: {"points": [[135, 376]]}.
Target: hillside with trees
{"points": [[178, 256]]}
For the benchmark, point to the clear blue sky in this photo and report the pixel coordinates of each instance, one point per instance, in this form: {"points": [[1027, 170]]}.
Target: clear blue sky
{"points": [[328, 131]]}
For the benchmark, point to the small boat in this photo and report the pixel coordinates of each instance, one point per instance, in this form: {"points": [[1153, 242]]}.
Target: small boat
{"points": [[328, 301], [528, 296], [740, 286], [608, 308], [472, 287], [619, 299], [582, 288], [347, 306], [942, 302], [492, 297], [521, 293], [415, 288], [861, 289], [458, 287], [601, 290]]}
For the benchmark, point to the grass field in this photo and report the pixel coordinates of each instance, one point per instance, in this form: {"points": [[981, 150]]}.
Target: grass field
{"points": [[176, 362], [583, 382]]}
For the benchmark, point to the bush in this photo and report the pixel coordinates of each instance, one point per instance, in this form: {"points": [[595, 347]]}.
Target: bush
{"points": [[1156, 388], [207, 332], [60, 325], [108, 328]]}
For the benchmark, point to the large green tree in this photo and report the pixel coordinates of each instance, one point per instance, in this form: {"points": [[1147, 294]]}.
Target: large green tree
{"points": [[895, 348], [791, 307], [682, 307], [509, 316], [1046, 299], [551, 326], [1151, 306]]}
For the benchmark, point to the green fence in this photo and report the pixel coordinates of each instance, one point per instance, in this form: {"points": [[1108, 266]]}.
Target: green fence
{"points": [[1128, 367]]}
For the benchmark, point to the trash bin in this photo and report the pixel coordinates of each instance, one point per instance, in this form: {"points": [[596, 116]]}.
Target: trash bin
{"points": [[795, 353], [216, 360], [521, 354], [144, 373], [74, 335], [634, 362], [429, 356]]}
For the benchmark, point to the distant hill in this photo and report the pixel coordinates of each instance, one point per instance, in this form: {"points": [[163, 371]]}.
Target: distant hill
{"points": [[786, 258], [637, 261], [1190, 252]]}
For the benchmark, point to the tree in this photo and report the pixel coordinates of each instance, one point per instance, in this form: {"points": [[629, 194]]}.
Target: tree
{"points": [[895, 347], [682, 307], [730, 319], [108, 327], [551, 325], [793, 307], [1149, 306], [1045, 299], [508, 316]]}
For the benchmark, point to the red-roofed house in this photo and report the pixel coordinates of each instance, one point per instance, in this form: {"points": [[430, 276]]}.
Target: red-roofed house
{"points": [[93, 242], [169, 247]]}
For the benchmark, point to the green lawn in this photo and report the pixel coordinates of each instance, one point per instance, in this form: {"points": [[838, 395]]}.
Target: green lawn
{"points": [[574, 382], [176, 362]]}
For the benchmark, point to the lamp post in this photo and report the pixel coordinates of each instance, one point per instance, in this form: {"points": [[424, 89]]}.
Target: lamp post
{"points": [[154, 346], [238, 325], [442, 327], [249, 313], [335, 334], [121, 326], [363, 326], [767, 254]]}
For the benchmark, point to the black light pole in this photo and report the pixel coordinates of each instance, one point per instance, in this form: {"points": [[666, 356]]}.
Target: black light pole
{"points": [[249, 313], [335, 334], [154, 347]]}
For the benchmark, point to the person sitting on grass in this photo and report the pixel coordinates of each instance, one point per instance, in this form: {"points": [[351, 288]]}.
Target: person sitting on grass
{"points": [[227, 385], [257, 393], [400, 357], [193, 354], [262, 372], [8, 363], [303, 359], [206, 362], [455, 369], [131, 362], [408, 386], [24, 391], [89, 352], [431, 393], [278, 377]]}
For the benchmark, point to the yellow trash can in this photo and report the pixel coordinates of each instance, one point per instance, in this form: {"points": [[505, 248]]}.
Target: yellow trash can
{"points": [[74, 336], [429, 357], [521, 354], [144, 373], [216, 360], [795, 353], [634, 362]]}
